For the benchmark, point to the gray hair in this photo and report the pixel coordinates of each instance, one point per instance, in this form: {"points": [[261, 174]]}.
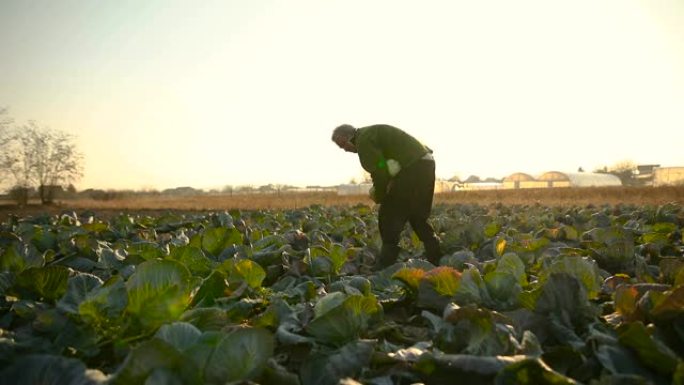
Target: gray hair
{"points": [[345, 130]]}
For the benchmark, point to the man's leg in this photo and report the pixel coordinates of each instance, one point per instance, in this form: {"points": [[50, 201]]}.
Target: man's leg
{"points": [[391, 222], [426, 234], [421, 206]]}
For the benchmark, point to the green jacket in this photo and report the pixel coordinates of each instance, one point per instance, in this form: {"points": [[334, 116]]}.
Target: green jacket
{"points": [[379, 143]]}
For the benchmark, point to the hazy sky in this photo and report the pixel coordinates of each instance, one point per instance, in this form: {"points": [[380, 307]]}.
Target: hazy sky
{"points": [[184, 93]]}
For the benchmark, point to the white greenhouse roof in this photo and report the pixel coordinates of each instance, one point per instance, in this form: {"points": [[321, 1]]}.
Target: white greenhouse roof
{"points": [[518, 176], [582, 179]]}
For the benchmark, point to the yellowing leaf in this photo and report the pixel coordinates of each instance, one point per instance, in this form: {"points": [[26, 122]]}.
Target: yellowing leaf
{"points": [[410, 276], [445, 280], [626, 297], [500, 246]]}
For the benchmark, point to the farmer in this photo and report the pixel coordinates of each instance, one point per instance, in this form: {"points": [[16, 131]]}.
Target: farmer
{"points": [[403, 173]]}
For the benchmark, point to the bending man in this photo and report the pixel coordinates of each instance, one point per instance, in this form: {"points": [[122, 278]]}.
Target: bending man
{"points": [[403, 173]]}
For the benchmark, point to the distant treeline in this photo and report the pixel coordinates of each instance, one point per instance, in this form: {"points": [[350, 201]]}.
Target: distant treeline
{"points": [[20, 195]]}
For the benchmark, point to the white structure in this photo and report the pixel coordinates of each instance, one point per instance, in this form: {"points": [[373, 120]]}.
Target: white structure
{"points": [[441, 186], [522, 180], [478, 186], [668, 176], [354, 189], [579, 179], [560, 179]]}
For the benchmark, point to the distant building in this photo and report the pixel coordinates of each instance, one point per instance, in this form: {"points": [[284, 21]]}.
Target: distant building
{"points": [[643, 169], [668, 176], [520, 180], [319, 188], [579, 179], [480, 186], [441, 186], [444, 186], [644, 174], [354, 189]]}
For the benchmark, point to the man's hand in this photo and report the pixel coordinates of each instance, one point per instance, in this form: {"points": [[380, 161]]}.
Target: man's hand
{"points": [[393, 167]]}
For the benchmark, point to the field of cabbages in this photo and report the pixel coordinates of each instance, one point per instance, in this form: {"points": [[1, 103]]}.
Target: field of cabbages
{"points": [[524, 295]]}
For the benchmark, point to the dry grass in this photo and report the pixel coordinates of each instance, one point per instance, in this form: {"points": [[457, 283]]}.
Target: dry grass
{"points": [[220, 202], [570, 196], [155, 204], [548, 197]]}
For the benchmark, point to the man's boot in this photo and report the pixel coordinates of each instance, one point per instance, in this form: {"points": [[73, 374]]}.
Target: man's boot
{"points": [[388, 256], [433, 250]]}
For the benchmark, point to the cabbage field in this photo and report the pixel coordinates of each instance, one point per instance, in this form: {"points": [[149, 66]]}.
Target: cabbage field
{"points": [[524, 295]]}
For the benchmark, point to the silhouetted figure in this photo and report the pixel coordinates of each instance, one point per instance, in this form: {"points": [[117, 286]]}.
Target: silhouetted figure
{"points": [[403, 173]]}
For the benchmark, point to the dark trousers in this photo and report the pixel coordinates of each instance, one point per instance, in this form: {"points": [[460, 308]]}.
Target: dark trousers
{"points": [[409, 200]]}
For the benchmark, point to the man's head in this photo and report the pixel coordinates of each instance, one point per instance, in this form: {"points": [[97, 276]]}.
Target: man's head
{"points": [[343, 136]]}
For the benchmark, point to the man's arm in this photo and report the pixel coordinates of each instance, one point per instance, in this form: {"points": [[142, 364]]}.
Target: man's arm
{"points": [[375, 163]]}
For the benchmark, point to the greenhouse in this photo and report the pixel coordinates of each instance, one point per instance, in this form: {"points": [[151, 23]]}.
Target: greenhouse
{"points": [[521, 180], [578, 179]]}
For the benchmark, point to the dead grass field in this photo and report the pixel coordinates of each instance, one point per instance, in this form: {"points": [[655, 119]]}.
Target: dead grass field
{"points": [[548, 197], [570, 196]]}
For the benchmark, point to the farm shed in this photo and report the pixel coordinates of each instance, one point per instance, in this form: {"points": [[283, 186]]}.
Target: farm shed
{"points": [[578, 179], [668, 176], [520, 180]]}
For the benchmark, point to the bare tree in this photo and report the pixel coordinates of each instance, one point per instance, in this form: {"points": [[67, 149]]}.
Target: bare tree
{"points": [[228, 189], [5, 122], [245, 189], [625, 170], [17, 157], [39, 156]]}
